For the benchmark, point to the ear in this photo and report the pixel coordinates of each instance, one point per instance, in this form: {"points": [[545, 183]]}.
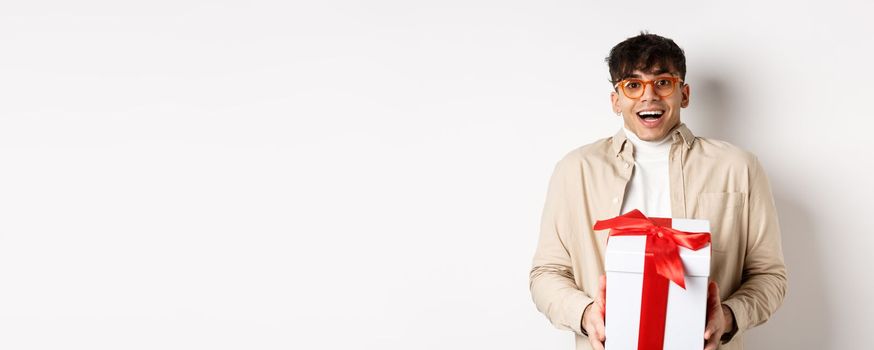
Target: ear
{"points": [[686, 93], [614, 100]]}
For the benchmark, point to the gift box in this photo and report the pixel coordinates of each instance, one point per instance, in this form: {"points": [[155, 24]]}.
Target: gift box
{"points": [[657, 277]]}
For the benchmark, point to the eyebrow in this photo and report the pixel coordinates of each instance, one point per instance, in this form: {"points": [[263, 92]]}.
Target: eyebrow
{"points": [[658, 71]]}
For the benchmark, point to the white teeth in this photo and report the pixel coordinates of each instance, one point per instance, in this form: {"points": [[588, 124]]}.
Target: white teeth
{"points": [[645, 113]]}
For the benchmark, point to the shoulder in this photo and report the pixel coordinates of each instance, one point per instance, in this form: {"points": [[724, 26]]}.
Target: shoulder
{"points": [[722, 150], [724, 153]]}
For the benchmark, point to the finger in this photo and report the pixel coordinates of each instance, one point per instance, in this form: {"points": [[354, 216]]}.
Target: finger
{"points": [[710, 290], [713, 303], [602, 285], [602, 288], [603, 310], [602, 293], [709, 329], [602, 333], [713, 306], [713, 292], [710, 344], [596, 344]]}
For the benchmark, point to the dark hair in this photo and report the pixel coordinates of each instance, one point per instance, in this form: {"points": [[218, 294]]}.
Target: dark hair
{"points": [[645, 52]]}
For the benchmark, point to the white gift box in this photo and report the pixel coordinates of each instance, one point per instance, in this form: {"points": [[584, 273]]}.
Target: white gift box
{"points": [[686, 313]]}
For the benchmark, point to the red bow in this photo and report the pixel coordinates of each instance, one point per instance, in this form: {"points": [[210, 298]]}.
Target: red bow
{"points": [[664, 241]]}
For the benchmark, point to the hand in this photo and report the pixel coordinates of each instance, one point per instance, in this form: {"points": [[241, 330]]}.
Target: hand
{"points": [[719, 318], [593, 316]]}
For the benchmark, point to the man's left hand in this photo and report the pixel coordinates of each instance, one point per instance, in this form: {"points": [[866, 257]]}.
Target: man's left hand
{"points": [[719, 318]]}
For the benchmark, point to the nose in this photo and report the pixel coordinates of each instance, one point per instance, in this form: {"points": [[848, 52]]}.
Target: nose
{"points": [[649, 93]]}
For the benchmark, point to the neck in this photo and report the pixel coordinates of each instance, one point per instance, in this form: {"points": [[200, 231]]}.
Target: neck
{"points": [[649, 147]]}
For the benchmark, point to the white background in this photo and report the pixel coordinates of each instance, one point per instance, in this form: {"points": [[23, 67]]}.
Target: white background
{"points": [[370, 174]]}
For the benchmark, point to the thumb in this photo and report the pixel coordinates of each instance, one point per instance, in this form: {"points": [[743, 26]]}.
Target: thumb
{"points": [[602, 286], [708, 332], [713, 291], [602, 292], [710, 329]]}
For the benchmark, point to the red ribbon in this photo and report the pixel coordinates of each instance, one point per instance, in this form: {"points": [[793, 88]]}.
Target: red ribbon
{"points": [[661, 243], [661, 263]]}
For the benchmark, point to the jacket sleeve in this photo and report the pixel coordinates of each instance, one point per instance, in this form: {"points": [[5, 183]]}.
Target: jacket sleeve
{"points": [[551, 280], [763, 281]]}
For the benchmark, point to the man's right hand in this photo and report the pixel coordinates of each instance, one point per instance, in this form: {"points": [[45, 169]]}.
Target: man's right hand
{"points": [[593, 316]]}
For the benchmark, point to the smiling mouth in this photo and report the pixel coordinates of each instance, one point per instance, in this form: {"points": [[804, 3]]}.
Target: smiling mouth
{"points": [[650, 116]]}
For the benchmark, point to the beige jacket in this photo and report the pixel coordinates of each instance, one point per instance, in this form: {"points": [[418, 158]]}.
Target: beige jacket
{"points": [[709, 179]]}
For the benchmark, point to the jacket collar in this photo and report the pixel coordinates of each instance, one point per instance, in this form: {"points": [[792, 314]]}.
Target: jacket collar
{"points": [[680, 132]]}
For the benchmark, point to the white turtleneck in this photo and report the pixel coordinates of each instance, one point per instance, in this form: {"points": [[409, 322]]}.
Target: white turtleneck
{"points": [[649, 189]]}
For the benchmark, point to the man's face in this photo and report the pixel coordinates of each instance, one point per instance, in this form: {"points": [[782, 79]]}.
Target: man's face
{"points": [[651, 116]]}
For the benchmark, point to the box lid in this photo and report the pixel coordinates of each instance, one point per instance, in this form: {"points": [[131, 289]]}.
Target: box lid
{"points": [[626, 253]]}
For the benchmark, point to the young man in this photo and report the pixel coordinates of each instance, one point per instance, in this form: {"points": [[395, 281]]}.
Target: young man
{"points": [[655, 164]]}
